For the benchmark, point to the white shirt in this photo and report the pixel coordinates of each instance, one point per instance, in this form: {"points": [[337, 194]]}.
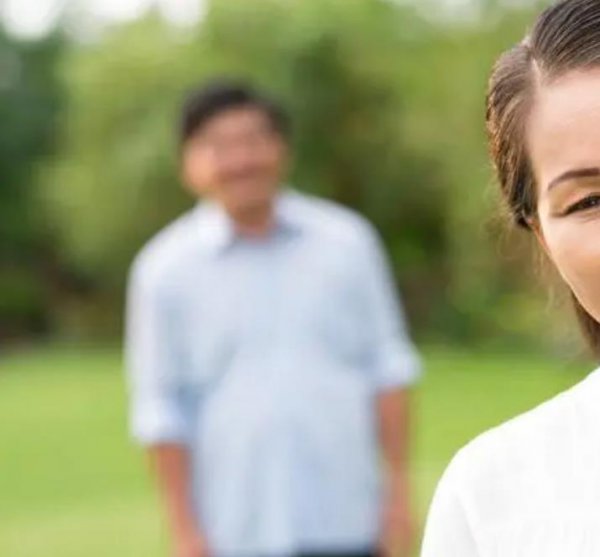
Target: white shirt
{"points": [[529, 488], [264, 357]]}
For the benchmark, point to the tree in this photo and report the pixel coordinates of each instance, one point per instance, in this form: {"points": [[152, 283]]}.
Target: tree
{"points": [[30, 100], [388, 112]]}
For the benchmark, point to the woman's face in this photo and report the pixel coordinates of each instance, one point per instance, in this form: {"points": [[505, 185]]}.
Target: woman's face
{"points": [[564, 145]]}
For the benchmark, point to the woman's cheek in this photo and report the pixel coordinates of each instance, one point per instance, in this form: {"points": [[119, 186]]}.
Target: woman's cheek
{"points": [[575, 249]]}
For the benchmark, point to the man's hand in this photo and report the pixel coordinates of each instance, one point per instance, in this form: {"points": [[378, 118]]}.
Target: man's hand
{"points": [[191, 544], [397, 529]]}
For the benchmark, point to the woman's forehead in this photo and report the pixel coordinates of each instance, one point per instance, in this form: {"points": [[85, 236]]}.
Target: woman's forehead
{"points": [[563, 128]]}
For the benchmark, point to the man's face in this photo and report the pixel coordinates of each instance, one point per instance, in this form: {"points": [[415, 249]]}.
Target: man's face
{"points": [[235, 158]]}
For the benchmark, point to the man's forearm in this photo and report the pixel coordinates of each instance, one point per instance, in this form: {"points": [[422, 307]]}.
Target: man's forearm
{"points": [[397, 532], [394, 427], [171, 464]]}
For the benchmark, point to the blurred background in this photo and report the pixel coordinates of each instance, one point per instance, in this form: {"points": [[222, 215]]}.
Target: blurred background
{"points": [[387, 98]]}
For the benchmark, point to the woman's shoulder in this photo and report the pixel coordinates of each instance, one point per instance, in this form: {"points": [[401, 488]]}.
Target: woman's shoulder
{"points": [[529, 452]]}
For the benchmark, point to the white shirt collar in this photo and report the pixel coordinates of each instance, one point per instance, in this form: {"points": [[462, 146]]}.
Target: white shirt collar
{"points": [[218, 230]]}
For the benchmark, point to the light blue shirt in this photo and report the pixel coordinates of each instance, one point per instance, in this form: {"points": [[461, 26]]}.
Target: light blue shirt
{"points": [[264, 357]]}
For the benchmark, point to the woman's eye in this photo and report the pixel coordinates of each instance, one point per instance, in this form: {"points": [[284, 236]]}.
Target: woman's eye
{"points": [[591, 202]]}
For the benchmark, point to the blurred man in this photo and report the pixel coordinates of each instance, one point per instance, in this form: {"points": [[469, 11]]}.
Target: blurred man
{"points": [[268, 357]]}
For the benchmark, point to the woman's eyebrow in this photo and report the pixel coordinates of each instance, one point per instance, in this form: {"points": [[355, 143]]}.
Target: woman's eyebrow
{"points": [[576, 173]]}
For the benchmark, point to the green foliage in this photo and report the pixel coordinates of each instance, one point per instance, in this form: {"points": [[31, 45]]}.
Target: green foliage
{"points": [[29, 102], [30, 99], [388, 112], [22, 300]]}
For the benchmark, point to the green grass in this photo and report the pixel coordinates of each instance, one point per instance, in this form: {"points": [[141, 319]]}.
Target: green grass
{"points": [[72, 485]]}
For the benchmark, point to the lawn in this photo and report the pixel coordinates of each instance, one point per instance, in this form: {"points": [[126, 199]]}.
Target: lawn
{"points": [[71, 484]]}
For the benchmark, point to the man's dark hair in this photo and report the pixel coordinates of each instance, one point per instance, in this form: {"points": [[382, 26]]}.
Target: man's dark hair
{"points": [[210, 99]]}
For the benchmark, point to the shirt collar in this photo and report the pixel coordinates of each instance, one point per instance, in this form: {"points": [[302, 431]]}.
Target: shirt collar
{"points": [[218, 230]]}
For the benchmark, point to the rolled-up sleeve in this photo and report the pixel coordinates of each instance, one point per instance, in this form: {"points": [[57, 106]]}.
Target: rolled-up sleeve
{"points": [[157, 412], [393, 357]]}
